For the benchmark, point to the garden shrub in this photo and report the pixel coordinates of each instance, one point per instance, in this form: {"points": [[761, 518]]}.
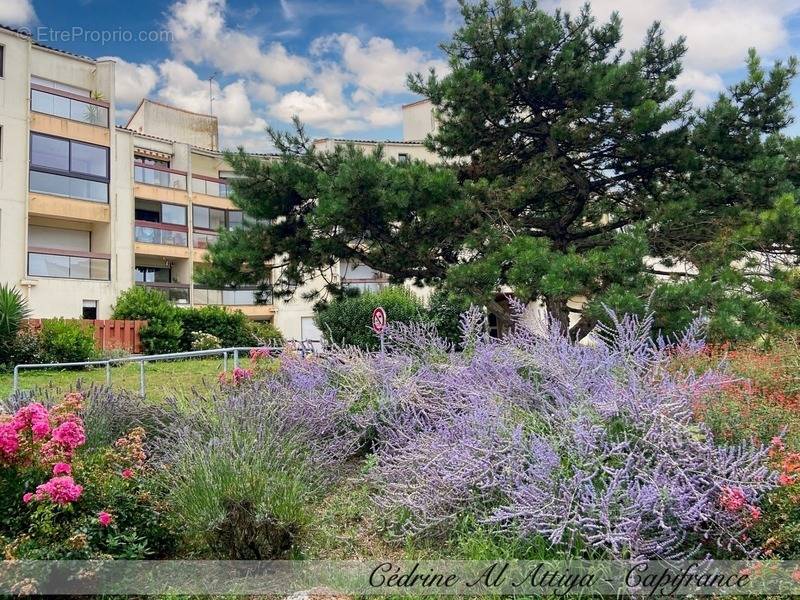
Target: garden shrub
{"points": [[64, 340], [241, 477], [444, 312], [230, 327], [264, 333], [62, 500], [204, 341], [163, 332], [348, 320]]}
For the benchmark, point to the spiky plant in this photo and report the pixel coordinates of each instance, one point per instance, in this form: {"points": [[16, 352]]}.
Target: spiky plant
{"points": [[13, 310]]}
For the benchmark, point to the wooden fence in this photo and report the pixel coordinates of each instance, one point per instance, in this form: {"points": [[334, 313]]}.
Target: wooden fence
{"points": [[110, 334]]}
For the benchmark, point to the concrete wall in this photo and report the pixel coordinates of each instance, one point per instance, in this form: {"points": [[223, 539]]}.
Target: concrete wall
{"points": [[391, 150], [14, 116], [418, 120], [195, 129]]}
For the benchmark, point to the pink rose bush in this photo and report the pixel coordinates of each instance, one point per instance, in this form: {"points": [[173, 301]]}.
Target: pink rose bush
{"points": [[63, 496]]}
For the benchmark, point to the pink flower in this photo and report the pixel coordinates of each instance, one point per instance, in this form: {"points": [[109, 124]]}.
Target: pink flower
{"points": [[35, 416], [105, 518], [755, 513], [259, 353], [70, 434], [62, 468], [240, 374], [776, 442], [732, 499], [127, 473], [784, 479], [27, 497], [61, 490], [796, 575], [9, 440]]}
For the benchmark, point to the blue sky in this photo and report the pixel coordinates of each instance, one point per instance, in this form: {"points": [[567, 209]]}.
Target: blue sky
{"points": [[341, 65]]}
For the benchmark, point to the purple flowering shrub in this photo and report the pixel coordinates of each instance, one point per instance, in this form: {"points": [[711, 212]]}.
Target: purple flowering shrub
{"points": [[589, 446]]}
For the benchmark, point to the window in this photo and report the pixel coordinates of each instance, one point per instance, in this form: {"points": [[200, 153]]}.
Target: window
{"points": [[403, 157], [171, 213], [152, 275], [89, 310], [56, 85], [68, 168], [234, 219], [2, 61], [216, 218], [49, 152]]}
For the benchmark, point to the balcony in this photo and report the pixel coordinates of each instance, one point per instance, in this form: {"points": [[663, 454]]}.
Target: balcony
{"points": [[174, 292], [59, 103], [210, 186], [147, 232], [159, 176], [69, 264], [366, 285], [251, 295]]}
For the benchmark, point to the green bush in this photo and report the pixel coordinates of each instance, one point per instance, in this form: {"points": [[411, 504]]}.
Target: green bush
{"points": [[229, 326], [66, 341], [265, 333], [444, 311], [163, 332], [348, 320]]}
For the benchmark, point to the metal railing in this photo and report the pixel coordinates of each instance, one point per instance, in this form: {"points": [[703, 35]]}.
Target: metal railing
{"points": [[304, 347]]}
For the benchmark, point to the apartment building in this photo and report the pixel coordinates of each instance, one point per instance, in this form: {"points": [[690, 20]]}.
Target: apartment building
{"points": [[89, 208]]}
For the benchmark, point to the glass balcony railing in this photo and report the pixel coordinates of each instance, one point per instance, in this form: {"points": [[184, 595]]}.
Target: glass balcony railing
{"points": [[365, 285], [202, 239], [67, 106], [160, 176], [158, 233], [241, 296], [46, 262], [210, 186], [174, 292]]}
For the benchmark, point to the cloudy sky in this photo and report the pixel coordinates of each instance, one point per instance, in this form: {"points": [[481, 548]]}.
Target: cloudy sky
{"points": [[341, 65]]}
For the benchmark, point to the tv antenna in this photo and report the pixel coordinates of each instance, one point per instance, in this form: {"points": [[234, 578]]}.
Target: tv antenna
{"points": [[210, 93]]}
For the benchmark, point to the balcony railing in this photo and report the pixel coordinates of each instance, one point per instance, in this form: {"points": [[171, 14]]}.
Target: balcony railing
{"points": [[174, 292], [70, 264], [68, 106], [241, 296], [161, 233], [365, 285], [202, 239], [160, 176], [210, 186]]}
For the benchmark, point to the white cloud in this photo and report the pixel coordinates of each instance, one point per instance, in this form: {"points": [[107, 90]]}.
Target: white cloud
{"points": [[377, 67], [132, 81], [239, 124], [718, 32], [17, 12], [407, 5], [201, 36], [705, 85]]}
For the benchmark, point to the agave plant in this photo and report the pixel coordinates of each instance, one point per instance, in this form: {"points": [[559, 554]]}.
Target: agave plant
{"points": [[13, 310]]}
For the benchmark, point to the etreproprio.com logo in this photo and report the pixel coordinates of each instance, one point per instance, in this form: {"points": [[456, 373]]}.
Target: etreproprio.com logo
{"points": [[51, 35]]}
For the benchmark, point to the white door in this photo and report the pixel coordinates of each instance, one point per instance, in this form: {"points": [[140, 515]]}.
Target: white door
{"points": [[309, 331]]}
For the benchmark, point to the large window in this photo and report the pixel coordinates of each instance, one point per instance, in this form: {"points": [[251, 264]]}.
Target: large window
{"points": [[205, 217], [47, 264], [153, 275], [68, 168], [57, 105]]}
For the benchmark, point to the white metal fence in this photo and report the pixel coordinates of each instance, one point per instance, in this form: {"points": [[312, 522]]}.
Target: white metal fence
{"points": [[304, 347]]}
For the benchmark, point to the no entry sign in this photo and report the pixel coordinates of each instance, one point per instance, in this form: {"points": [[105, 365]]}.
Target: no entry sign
{"points": [[378, 320]]}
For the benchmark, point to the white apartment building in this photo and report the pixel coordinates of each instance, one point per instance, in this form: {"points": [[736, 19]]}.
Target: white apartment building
{"points": [[89, 208]]}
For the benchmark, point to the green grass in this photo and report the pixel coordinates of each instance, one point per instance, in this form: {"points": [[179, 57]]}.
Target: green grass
{"points": [[162, 379]]}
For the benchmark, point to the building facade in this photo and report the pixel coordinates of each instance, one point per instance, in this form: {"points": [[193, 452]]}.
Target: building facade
{"points": [[89, 208]]}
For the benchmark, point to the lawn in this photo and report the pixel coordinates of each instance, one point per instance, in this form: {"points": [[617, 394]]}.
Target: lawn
{"points": [[162, 379]]}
